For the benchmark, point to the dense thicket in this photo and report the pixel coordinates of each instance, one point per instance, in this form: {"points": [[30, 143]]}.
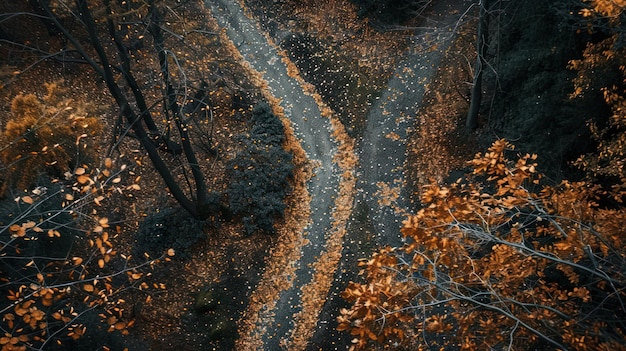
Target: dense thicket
{"points": [[260, 173], [170, 228], [532, 84]]}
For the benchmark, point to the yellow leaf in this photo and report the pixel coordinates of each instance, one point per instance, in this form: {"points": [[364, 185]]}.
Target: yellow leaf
{"points": [[88, 288], [79, 171], [27, 199]]}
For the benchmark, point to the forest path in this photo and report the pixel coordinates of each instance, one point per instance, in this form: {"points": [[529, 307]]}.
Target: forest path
{"points": [[383, 199], [382, 194], [275, 323], [381, 172]]}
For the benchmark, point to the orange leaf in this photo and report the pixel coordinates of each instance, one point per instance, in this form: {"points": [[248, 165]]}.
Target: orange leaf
{"points": [[82, 179]]}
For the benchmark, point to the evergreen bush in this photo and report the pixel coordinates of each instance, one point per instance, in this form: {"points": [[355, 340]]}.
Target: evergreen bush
{"points": [[168, 229], [260, 173], [388, 12], [48, 214]]}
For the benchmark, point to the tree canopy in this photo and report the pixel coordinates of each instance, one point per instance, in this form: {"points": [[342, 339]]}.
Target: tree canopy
{"points": [[503, 258], [498, 260]]}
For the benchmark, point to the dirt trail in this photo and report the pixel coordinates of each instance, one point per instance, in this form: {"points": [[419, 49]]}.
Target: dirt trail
{"points": [[314, 131], [383, 147], [382, 202], [381, 172]]}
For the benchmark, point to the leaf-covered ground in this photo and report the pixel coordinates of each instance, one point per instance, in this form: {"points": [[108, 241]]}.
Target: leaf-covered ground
{"points": [[349, 64]]}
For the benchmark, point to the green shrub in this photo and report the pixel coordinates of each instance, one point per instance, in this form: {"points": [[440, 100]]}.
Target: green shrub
{"points": [[389, 11], [260, 173], [532, 103], [168, 229], [47, 212], [96, 337]]}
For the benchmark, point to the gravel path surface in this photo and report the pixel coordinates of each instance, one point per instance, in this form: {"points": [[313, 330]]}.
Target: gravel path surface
{"points": [[383, 147], [382, 153], [312, 129]]}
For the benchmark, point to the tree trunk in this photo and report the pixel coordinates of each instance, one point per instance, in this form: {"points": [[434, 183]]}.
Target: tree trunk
{"points": [[105, 71], [175, 109], [481, 41]]}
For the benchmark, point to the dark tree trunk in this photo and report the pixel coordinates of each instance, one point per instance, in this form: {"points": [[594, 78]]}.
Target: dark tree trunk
{"points": [[175, 108], [481, 41], [105, 70]]}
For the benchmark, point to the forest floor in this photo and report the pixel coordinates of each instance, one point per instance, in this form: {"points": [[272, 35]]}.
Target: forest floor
{"points": [[434, 142], [356, 69], [395, 92]]}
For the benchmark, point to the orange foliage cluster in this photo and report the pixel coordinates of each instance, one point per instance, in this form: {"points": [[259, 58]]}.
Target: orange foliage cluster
{"points": [[498, 261], [51, 134], [604, 61], [609, 8]]}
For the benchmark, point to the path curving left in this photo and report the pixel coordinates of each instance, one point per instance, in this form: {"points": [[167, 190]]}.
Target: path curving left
{"points": [[273, 327]]}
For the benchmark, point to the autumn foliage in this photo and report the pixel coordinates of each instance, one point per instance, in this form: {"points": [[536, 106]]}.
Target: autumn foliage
{"points": [[498, 260], [603, 67], [48, 135], [62, 279]]}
